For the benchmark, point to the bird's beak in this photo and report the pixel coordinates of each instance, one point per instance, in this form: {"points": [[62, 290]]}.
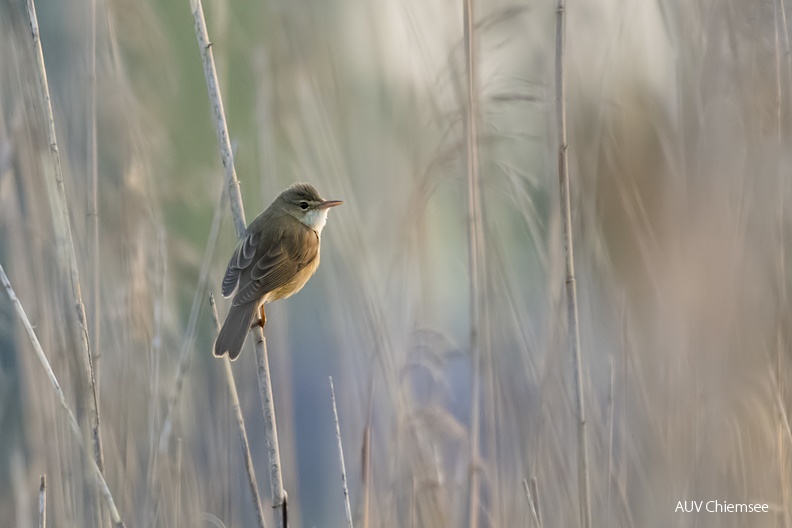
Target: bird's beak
{"points": [[329, 203]]}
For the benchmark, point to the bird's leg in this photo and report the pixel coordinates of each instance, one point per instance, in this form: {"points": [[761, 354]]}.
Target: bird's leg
{"points": [[262, 319]]}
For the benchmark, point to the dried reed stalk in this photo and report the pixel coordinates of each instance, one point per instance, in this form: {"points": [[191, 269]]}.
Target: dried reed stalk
{"points": [[237, 209], [94, 467], [573, 330], [532, 494], [93, 191], [240, 419], [78, 324], [42, 519], [475, 240], [347, 508]]}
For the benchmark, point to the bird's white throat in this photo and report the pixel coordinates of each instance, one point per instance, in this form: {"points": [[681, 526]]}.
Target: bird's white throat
{"points": [[315, 219]]}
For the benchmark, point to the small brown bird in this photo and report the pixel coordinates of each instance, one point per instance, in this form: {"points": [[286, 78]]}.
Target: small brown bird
{"points": [[275, 258]]}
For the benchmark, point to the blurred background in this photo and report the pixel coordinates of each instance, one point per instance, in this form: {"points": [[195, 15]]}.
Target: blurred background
{"points": [[680, 121]]}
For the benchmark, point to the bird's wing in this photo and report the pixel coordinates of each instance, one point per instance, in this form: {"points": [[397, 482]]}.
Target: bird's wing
{"points": [[274, 268], [240, 261]]}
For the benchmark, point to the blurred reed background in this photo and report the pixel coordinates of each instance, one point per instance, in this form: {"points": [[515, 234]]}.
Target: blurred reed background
{"points": [[680, 116]]}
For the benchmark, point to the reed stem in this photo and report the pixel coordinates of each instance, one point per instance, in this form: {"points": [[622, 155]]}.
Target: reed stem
{"points": [[240, 419], [573, 329], [279, 497], [347, 508], [75, 427]]}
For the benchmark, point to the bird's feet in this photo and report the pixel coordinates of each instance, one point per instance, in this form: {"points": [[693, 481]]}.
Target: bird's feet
{"points": [[262, 320]]}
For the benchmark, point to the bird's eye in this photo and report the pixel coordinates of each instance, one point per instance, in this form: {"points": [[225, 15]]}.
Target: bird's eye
{"points": [[303, 205]]}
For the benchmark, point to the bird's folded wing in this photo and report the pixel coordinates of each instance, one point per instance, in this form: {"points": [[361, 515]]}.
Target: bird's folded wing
{"points": [[240, 260], [278, 266]]}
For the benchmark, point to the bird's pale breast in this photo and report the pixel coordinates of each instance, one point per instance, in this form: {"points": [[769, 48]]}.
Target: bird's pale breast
{"points": [[295, 284]]}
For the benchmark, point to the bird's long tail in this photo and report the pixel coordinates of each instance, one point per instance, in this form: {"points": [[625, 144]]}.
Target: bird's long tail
{"points": [[235, 330]]}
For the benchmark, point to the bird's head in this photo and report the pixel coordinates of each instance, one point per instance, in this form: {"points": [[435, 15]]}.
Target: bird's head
{"points": [[303, 202]]}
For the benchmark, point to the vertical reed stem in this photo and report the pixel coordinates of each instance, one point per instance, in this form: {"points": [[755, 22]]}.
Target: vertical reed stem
{"points": [[573, 335], [93, 466], [474, 253], [93, 189], [78, 324], [42, 520], [535, 502], [347, 508], [240, 419], [271, 428], [366, 457], [279, 497]]}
